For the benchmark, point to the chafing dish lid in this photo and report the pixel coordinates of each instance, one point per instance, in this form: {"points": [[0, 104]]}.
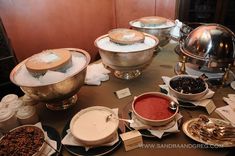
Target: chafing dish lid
{"points": [[212, 41]]}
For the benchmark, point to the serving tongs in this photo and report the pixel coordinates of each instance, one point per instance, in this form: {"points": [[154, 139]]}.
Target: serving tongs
{"points": [[216, 136], [51, 146], [56, 151], [224, 132], [206, 129]]}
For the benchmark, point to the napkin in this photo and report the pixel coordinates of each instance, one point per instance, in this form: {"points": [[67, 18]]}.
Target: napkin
{"points": [[226, 113], [2, 105], [230, 101], [48, 150], [175, 32], [200, 102], [96, 73], [157, 131], [70, 140]]}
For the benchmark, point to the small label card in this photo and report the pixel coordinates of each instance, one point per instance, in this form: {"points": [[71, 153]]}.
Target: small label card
{"points": [[208, 104], [123, 93], [132, 139]]}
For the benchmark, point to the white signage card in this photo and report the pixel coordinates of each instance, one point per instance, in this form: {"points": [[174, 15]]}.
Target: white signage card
{"points": [[123, 93], [208, 104]]}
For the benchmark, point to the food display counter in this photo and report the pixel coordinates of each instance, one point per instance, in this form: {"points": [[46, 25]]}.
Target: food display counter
{"points": [[162, 64]]}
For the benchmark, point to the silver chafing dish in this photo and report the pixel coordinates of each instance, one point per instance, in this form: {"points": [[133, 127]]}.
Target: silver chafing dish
{"points": [[208, 48], [210, 45]]}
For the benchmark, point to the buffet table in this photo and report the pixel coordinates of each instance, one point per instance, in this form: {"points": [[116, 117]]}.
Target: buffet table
{"points": [[162, 64]]}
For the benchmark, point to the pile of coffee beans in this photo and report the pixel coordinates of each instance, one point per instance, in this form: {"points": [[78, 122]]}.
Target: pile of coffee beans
{"points": [[22, 141]]}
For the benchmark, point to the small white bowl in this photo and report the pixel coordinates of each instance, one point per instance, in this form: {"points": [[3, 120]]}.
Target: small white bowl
{"points": [[90, 126], [184, 96], [232, 84]]}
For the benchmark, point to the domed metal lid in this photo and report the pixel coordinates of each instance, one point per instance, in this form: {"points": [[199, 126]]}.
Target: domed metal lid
{"points": [[211, 43]]}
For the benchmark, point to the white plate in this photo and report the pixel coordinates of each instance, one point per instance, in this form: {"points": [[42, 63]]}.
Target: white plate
{"points": [[232, 84], [198, 139]]}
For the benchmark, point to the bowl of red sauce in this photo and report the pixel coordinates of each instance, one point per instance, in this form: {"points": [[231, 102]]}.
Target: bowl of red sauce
{"points": [[152, 108]]}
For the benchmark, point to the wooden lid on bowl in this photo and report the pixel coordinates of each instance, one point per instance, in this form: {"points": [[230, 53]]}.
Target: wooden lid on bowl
{"points": [[53, 59], [152, 20], [152, 108], [125, 36]]}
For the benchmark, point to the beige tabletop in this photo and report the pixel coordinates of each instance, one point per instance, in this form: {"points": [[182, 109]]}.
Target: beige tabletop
{"points": [[162, 65]]}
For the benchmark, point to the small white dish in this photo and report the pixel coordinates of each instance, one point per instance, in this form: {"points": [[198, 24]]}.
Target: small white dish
{"points": [[232, 84]]}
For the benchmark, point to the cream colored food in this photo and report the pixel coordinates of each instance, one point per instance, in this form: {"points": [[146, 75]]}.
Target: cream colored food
{"points": [[92, 125], [106, 44]]}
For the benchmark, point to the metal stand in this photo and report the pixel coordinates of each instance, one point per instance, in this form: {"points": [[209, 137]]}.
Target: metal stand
{"points": [[65, 104], [127, 75]]}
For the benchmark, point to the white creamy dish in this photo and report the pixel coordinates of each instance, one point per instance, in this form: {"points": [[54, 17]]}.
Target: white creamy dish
{"points": [[167, 24], [106, 44], [91, 125]]}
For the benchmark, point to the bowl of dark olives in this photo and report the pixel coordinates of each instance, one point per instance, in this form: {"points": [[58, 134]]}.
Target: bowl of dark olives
{"points": [[187, 87]]}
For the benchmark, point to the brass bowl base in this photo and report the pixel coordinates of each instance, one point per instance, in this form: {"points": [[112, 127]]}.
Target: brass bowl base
{"points": [[65, 104], [127, 75]]}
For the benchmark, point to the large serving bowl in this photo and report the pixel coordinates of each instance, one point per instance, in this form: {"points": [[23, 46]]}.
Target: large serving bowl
{"points": [[23, 140], [152, 108], [211, 46], [59, 95], [161, 32], [127, 65], [186, 90], [92, 127]]}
